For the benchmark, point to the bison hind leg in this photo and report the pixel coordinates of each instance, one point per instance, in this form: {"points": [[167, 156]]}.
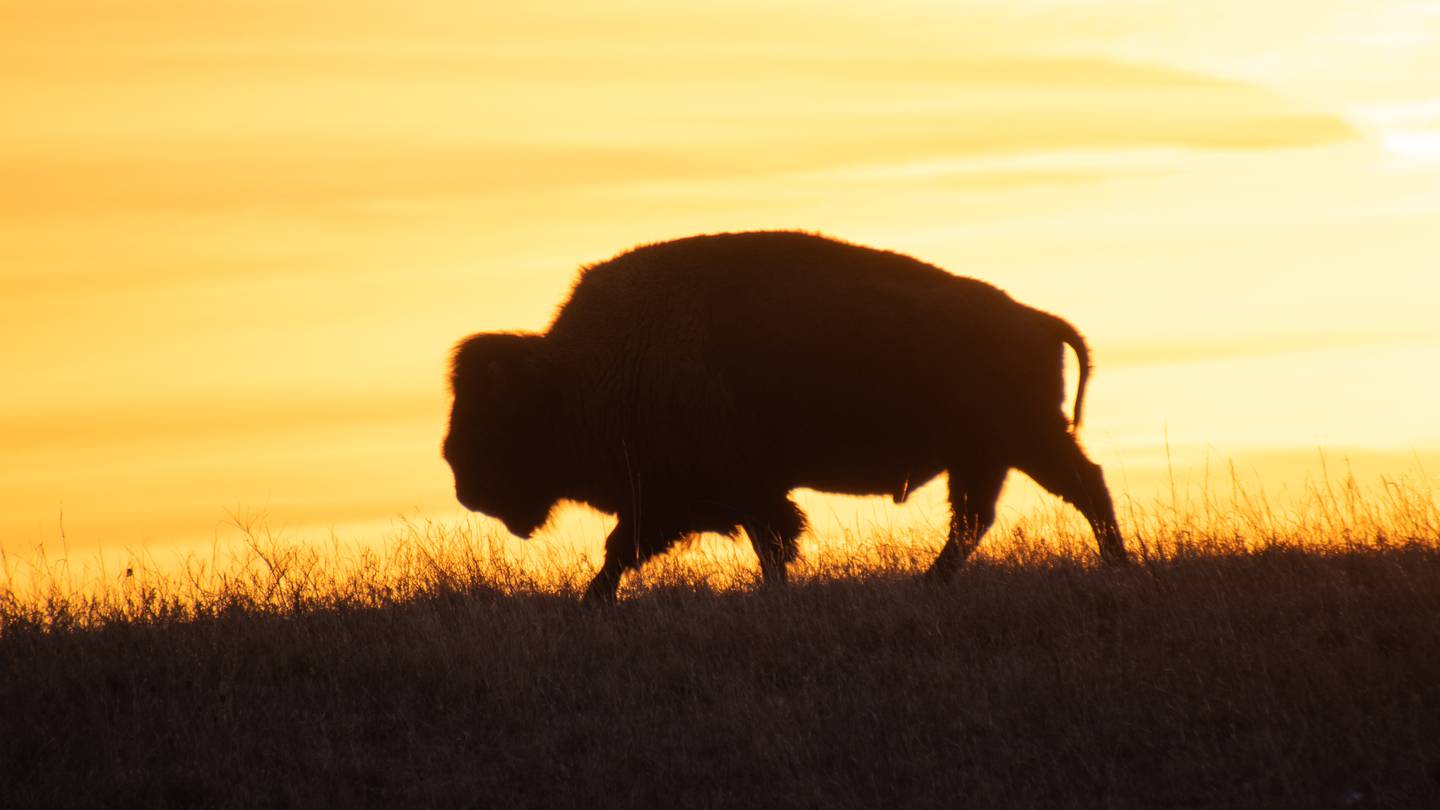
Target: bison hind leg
{"points": [[1060, 466], [773, 527], [974, 488]]}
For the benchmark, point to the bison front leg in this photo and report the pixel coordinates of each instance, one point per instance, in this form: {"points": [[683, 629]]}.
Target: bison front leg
{"points": [[974, 489], [773, 530], [622, 552], [630, 543], [603, 587]]}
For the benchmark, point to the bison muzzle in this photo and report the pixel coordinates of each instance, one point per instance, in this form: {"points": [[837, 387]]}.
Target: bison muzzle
{"points": [[690, 386]]}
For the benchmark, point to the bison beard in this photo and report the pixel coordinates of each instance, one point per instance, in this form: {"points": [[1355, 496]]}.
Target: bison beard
{"points": [[689, 386]]}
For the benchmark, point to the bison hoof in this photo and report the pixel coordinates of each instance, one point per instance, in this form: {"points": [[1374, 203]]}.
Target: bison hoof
{"points": [[598, 595]]}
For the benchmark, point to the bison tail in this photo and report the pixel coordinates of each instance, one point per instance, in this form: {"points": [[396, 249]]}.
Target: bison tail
{"points": [[1071, 337]]}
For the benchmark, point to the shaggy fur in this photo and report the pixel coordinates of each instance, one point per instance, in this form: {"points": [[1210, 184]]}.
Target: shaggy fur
{"points": [[689, 386]]}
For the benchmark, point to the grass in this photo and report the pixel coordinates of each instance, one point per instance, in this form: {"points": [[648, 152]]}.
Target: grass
{"points": [[1251, 659]]}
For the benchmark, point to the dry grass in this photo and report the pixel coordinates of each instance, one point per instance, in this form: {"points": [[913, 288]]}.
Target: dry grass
{"points": [[1252, 658]]}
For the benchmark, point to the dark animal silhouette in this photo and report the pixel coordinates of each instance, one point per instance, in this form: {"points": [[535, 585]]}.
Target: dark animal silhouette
{"points": [[689, 386]]}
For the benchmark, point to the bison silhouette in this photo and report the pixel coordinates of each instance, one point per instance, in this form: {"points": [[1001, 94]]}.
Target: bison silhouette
{"points": [[689, 386]]}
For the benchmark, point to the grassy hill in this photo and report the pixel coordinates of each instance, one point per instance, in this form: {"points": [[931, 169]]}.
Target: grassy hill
{"points": [[1223, 670]]}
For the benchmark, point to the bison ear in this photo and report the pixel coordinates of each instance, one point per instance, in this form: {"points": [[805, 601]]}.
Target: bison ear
{"points": [[497, 360]]}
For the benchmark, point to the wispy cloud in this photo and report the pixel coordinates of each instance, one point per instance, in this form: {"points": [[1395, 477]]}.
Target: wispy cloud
{"points": [[342, 136]]}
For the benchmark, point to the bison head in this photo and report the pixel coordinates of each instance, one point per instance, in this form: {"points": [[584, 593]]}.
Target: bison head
{"points": [[501, 429]]}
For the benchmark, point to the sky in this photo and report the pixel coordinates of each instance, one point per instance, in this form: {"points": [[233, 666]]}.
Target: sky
{"points": [[237, 239]]}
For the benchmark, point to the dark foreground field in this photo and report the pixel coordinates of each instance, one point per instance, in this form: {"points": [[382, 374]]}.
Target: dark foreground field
{"points": [[1278, 678]]}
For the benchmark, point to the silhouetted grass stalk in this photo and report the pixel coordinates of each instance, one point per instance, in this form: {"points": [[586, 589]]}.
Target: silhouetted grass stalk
{"points": [[270, 572]]}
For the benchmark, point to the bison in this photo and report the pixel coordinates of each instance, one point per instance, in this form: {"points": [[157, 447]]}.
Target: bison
{"points": [[689, 386]]}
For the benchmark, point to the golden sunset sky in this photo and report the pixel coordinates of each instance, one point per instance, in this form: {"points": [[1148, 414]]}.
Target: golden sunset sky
{"points": [[237, 239]]}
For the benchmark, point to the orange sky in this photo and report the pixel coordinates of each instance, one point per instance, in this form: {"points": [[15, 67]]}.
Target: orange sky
{"points": [[237, 238]]}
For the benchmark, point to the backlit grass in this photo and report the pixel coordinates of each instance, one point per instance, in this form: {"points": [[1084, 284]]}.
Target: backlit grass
{"points": [[1253, 656]]}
